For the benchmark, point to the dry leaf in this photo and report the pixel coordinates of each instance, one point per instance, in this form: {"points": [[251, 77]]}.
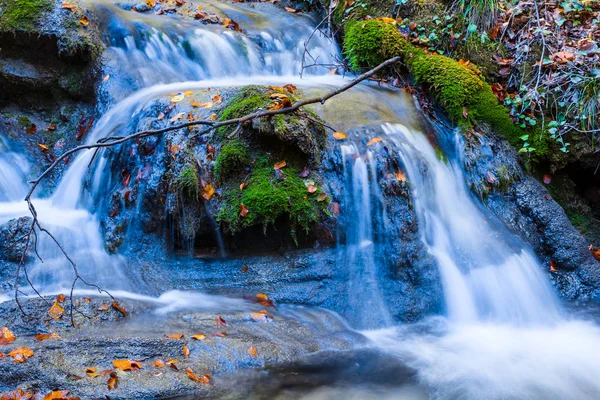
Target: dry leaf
{"points": [[290, 88], [243, 210], [280, 164], [61, 298], [290, 9], [339, 135], [112, 381], [400, 176], [245, 269], [373, 141], [6, 336], [51, 128], [106, 77], [21, 354], [243, 185], [161, 116], [252, 352], [207, 192], [103, 307], [311, 188], [91, 372], [177, 117], [43, 147], [84, 21], [178, 98], [59, 395], [322, 197], [56, 311], [174, 335], [32, 129], [127, 365], [195, 378], [262, 316], [46, 336], [186, 351], [119, 308], [221, 321], [213, 117], [158, 363], [199, 336], [68, 7]]}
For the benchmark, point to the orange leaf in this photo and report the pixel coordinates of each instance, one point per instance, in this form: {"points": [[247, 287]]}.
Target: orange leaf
{"points": [[58, 395], [245, 269], [260, 316], [547, 179], [207, 192], [103, 307], [243, 210], [252, 352], [596, 254], [46, 336], [186, 351], [311, 188], [51, 128], [174, 335], [119, 308], [400, 176], [199, 336], [553, 266], [6, 336], [127, 365], [32, 129], [339, 135], [290, 88], [373, 141], [68, 7], [91, 372], [171, 363], [56, 311], [43, 147], [243, 185], [106, 77], [112, 381], [280, 164], [21, 354], [158, 363], [84, 21], [195, 378], [61, 298], [221, 334], [221, 321]]}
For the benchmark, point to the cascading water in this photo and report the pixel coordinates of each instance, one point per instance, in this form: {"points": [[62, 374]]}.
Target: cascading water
{"points": [[505, 334], [366, 305], [15, 169]]}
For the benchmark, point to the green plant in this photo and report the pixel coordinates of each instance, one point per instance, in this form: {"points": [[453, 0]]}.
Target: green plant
{"points": [[232, 158], [482, 13], [187, 182], [22, 14], [369, 43]]}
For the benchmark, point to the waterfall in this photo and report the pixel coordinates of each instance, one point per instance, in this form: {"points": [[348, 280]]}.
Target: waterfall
{"points": [[366, 305], [14, 169]]}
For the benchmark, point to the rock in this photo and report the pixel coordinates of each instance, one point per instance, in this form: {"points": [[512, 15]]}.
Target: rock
{"points": [[284, 337], [13, 238]]}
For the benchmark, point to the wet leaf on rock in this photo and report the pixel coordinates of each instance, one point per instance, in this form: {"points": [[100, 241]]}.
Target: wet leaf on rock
{"points": [[547, 179], [158, 363], [339, 135], [304, 174], [279, 165], [207, 192], [196, 378], [243, 210], [46, 336], [119, 308], [56, 311], [174, 335], [91, 372], [21, 354], [6, 336], [179, 97], [221, 321], [112, 381], [32, 129], [127, 365], [252, 351], [186, 351], [199, 336], [373, 141]]}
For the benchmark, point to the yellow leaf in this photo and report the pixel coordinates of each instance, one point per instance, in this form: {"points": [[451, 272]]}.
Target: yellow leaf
{"points": [[84, 21], [199, 336], [374, 140], [158, 363], [21, 354], [92, 372], [178, 98], [186, 351], [195, 378], [46, 336], [208, 191], [339, 135], [56, 311], [213, 117], [112, 381], [174, 335], [43, 147], [400, 176]]}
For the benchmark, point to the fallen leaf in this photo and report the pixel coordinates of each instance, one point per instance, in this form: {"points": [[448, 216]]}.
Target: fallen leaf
{"points": [[51, 128], [127, 365], [465, 113], [161, 116], [596, 254], [56, 311], [61, 298], [262, 316], [243, 210], [245, 269], [311, 188], [43, 147], [68, 7], [252, 351], [400, 176], [186, 351], [32, 129], [58, 395], [373, 141], [290, 9], [21, 354], [73, 377], [46, 336], [158, 363], [553, 266], [339, 135], [6, 336], [335, 208], [221, 334], [177, 98], [91, 372], [195, 378], [279, 165], [264, 300], [243, 185], [112, 381], [290, 88], [119, 308], [221, 321], [174, 335], [213, 117], [172, 364], [322, 197], [103, 307], [84, 21], [199, 336], [177, 117], [106, 77], [304, 174], [207, 192]]}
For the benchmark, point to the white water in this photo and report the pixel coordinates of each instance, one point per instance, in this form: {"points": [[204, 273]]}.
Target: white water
{"points": [[504, 336], [15, 169]]}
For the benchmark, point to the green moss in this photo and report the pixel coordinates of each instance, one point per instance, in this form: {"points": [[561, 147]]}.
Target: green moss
{"points": [[369, 43], [24, 121], [232, 158], [248, 100], [269, 199], [22, 14], [187, 183]]}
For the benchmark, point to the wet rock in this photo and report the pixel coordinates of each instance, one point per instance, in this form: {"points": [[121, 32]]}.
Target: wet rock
{"points": [[13, 238], [283, 337]]}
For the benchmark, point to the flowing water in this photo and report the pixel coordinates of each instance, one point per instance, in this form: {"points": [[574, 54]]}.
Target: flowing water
{"points": [[504, 334]]}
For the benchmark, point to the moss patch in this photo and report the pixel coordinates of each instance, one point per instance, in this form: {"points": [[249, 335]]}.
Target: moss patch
{"points": [[232, 158], [269, 198], [248, 100], [369, 43], [22, 14], [187, 182]]}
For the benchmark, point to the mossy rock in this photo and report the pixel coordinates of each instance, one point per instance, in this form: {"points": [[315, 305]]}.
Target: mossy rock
{"points": [[23, 14], [249, 99], [369, 43], [233, 157]]}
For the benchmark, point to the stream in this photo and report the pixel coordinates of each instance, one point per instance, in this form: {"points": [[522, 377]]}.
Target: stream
{"points": [[502, 333]]}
